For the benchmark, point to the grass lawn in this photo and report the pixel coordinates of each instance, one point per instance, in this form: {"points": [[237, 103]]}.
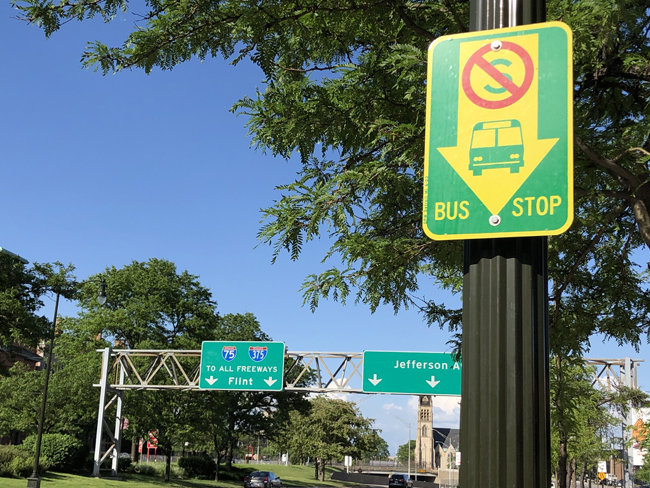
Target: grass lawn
{"points": [[292, 476]]}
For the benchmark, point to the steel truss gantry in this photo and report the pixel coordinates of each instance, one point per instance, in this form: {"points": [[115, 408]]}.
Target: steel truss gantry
{"points": [[611, 375], [331, 372], [167, 369]]}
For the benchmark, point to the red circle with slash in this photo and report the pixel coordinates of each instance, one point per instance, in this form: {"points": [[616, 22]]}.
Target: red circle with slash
{"points": [[516, 92]]}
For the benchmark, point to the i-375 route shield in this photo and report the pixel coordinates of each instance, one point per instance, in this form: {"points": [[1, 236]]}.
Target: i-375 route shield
{"points": [[499, 135]]}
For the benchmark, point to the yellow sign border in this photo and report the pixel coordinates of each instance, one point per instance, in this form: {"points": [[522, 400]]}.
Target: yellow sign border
{"points": [[570, 173]]}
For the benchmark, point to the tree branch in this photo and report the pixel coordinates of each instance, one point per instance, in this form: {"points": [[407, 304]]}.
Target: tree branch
{"points": [[558, 292], [412, 25], [608, 164], [642, 218]]}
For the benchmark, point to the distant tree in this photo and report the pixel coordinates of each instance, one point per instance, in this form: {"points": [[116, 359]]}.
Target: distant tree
{"points": [[581, 418], [170, 414], [150, 304], [75, 369], [643, 473], [403, 452], [22, 289], [377, 447], [329, 430]]}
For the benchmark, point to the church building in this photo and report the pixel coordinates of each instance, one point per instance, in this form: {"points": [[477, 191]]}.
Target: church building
{"points": [[434, 447]]}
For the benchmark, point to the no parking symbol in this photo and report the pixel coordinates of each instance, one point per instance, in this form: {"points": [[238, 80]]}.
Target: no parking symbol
{"points": [[478, 62]]}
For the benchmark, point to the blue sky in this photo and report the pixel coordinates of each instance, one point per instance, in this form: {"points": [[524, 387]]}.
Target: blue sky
{"points": [[103, 170]]}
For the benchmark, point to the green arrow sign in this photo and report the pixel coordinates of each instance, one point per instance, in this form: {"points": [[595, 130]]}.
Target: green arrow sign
{"points": [[235, 365], [412, 373]]}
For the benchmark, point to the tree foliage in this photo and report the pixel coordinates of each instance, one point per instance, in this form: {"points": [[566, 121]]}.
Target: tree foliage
{"points": [[150, 304], [403, 454], [345, 90], [329, 430], [581, 420], [22, 290], [75, 369]]}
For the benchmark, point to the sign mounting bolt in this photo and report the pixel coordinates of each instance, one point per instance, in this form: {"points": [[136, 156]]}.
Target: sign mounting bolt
{"points": [[495, 220], [496, 45]]}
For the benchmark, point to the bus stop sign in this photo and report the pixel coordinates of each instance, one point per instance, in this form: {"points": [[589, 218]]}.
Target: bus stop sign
{"points": [[499, 134]]}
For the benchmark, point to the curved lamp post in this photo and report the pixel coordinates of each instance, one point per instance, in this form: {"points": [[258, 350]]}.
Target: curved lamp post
{"points": [[34, 481]]}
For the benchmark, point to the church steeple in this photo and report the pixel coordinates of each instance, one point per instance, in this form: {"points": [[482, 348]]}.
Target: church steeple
{"points": [[424, 456]]}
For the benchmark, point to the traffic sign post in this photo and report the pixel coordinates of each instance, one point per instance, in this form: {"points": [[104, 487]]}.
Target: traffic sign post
{"points": [[411, 373], [499, 138], [242, 366]]}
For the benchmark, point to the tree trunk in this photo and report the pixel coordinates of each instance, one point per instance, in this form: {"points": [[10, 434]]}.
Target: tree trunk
{"points": [[582, 475], [322, 470], [228, 465], [570, 472], [316, 468], [168, 464], [134, 448], [217, 449]]}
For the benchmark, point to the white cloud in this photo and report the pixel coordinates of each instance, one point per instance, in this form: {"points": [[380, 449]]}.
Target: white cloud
{"points": [[446, 412], [413, 404], [391, 406], [446, 403]]}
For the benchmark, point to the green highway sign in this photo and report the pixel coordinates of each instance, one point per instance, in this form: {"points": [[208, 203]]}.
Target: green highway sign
{"points": [[411, 373], [499, 133], [237, 365]]}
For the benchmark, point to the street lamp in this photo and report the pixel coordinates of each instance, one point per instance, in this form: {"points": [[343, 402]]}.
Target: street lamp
{"points": [[101, 296], [409, 425], [34, 481]]}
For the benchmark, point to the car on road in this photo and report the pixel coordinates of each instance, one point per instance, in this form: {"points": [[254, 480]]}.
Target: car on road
{"points": [[400, 480], [262, 479]]}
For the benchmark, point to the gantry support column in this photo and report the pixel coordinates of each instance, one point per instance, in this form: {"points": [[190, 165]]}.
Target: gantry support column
{"points": [[103, 387]]}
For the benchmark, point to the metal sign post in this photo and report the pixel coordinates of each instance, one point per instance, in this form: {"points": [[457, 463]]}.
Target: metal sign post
{"points": [[505, 426]]}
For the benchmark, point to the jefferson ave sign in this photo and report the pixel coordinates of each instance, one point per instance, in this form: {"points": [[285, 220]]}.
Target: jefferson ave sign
{"points": [[411, 373], [499, 134], [235, 365]]}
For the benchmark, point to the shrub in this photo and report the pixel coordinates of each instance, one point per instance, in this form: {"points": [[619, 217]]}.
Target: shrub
{"points": [[155, 469], [196, 466], [124, 465], [64, 452], [19, 463], [145, 469], [21, 467]]}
